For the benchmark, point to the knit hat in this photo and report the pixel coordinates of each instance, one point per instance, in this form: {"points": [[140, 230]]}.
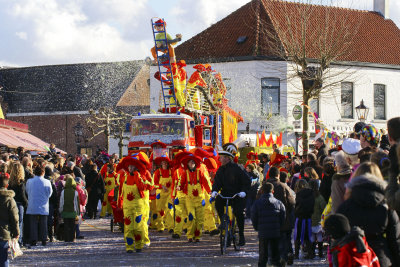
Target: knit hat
{"points": [[337, 226], [371, 134]]}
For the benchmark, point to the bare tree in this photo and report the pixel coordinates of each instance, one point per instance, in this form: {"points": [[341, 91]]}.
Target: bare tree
{"points": [[109, 122], [310, 38]]}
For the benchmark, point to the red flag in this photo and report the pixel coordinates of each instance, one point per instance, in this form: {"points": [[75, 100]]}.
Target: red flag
{"points": [[279, 140], [263, 140], [270, 140], [257, 140]]}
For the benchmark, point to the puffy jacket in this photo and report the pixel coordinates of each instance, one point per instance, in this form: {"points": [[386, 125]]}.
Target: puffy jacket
{"points": [[367, 209], [39, 191], [267, 216], [283, 193], [231, 178], [304, 204], [8, 215]]}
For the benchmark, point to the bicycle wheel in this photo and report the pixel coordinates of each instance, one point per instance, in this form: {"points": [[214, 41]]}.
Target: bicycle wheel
{"points": [[234, 235], [223, 235]]}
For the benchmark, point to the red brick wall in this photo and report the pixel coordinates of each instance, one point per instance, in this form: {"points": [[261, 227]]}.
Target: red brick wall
{"points": [[59, 129]]}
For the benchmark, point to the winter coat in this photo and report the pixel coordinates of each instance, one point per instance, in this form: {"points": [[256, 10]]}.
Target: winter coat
{"points": [[353, 250], [338, 189], [20, 194], [83, 197], [367, 209], [54, 197], [231, 178], [319, 207], [267, 216], [95, 184], [393, 188], [8, 215], [323, 150], [78, 172], [255, 184], [39, 191], [325, 187], [283, 193], [304, 204], [69, 203]]}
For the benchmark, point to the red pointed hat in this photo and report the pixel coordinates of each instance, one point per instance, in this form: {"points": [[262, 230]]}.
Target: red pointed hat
{"points": [[186, 159], [199, 67], [158, 143], [278, 159], [180, 155], [160, 22], [201, 152], [181, 63], [251, 153], [131, 160], [211, 164], [158, 160]]}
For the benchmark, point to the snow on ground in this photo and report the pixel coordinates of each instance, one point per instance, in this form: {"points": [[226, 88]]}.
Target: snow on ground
{"points": [[101, 247]]}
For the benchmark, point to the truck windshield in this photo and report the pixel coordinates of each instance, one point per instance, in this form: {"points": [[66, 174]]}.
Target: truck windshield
{"points": [[158, 127]]}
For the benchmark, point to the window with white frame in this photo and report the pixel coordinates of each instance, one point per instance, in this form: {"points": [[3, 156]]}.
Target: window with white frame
{"points": [[270, 96], [379, 102], [346, 100]]}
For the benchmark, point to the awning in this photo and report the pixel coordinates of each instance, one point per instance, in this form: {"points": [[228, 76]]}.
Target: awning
{"points": [[14, 139]]}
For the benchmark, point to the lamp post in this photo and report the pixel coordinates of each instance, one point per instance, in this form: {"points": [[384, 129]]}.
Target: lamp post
{"points": [[78, 130], [362, 111]]}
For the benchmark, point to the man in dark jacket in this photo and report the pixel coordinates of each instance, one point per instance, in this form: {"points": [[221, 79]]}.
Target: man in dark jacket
{"points": [[283, 193], [95, 188], [267, 216], [367, 209], [321, 147], [231, 179], [8, 219]]}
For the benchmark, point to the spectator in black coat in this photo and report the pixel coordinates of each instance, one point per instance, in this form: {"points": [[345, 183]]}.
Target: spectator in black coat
{"points": [[267, 216], [367, 208], [95, 188], [255, 184], [53, 203], [303, 211], [17, 184], [326, 183]]}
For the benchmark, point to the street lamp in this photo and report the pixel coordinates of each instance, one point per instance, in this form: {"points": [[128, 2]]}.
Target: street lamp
{"points": [[362, 111], [78, 130]]}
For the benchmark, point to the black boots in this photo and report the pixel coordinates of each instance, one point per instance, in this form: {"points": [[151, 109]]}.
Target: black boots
{"points": [[320, 249]]}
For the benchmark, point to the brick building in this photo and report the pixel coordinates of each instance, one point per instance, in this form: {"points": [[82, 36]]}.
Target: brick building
{"points": [[54, 100]]}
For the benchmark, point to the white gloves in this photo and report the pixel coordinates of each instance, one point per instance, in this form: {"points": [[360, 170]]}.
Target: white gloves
{"points": [[214, 194], [242, 194]]}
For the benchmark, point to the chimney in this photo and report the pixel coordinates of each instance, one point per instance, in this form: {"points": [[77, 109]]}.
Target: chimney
{"points": [[382, 7]]}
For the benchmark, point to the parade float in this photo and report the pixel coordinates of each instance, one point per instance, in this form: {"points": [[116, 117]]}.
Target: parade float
{"points": [[193, 111]]}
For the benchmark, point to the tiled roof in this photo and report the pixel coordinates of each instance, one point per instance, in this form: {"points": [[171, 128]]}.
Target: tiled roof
{"points": [[377, 40], [75, 87]]}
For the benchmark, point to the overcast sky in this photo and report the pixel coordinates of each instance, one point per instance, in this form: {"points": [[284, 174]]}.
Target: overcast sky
{"points": [[46, 32]]}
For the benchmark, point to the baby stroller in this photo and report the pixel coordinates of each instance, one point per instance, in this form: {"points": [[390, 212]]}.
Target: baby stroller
{"points": [[118, 214]]}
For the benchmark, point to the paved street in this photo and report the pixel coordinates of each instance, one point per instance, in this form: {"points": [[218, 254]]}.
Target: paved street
{"points": [[103, 248]]}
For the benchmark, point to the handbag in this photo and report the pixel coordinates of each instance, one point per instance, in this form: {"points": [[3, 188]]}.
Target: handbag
{"points": [[15, 248]]}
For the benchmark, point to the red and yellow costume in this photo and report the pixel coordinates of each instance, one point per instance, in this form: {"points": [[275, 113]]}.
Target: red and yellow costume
{"points": [[196, 80], [179, 77], [110, 181], [194, 183], [134, 202], [163, 183]]}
